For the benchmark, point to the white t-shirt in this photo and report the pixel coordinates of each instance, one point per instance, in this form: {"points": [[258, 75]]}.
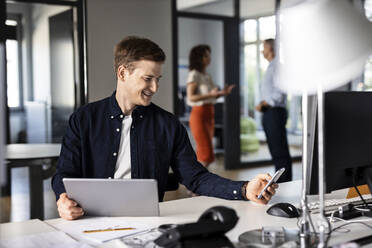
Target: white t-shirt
{"points": [[123, 164], [204, 84]]}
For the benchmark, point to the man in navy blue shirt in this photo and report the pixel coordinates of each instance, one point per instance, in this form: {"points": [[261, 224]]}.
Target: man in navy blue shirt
{"points": [[127, 136]]}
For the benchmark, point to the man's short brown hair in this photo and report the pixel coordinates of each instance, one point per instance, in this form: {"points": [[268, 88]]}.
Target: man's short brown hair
{"points": [[271, 43], [133, 48]]}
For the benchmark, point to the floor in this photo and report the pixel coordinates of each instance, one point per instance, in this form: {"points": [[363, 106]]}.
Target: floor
{"points": [[263, 154], [16, 208]]}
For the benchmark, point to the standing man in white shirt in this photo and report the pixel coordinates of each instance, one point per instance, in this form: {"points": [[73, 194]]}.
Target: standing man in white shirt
{"points": [[273, 106]]}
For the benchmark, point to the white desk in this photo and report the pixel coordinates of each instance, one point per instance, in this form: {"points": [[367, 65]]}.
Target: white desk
{"points": [[32, 151], [252, 216], [33, 156]]}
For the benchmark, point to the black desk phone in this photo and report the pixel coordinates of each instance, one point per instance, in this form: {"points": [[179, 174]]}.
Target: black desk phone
{"points": [[208, 231]]}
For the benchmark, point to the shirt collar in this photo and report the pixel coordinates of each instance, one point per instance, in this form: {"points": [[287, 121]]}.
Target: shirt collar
{"points": [[115, 109], [114, 106]]}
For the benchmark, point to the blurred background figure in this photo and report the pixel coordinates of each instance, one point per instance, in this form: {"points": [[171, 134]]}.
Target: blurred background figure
{"points": [[273, 106], [201, 95]]}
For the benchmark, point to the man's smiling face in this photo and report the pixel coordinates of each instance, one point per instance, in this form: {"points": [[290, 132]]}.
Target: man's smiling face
{"points": [[142, 82]]}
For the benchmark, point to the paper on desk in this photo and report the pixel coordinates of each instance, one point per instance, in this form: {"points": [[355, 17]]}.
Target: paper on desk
{"points": [[55, 239], [76, 228]]}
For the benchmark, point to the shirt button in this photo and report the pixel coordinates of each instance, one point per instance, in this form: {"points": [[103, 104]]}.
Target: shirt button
{"points": [[121, 116], [141, 116], [235, 192], [112, 117], [114, 154], [117, 129], [132, 126]]}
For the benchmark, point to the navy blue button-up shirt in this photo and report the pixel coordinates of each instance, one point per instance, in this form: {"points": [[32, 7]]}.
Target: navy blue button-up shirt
{"points": [[158, 141]]}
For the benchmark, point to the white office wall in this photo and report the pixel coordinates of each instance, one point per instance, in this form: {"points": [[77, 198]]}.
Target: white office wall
{"points": [[111, 20]]}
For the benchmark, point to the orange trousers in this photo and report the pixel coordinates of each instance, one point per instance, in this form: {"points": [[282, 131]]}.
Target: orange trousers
{"points": [[202, 128]]}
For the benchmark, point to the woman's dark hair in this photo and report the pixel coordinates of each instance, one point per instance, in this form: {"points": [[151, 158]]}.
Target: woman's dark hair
{"points": [[196, 57]]}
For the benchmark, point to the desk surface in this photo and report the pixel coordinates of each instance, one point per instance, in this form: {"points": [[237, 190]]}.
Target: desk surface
{"points": [[32, 151], [252, 216]]}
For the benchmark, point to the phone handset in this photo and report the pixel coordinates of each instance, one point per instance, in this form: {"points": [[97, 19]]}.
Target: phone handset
{"points": [[274, 179], [214, 222]]}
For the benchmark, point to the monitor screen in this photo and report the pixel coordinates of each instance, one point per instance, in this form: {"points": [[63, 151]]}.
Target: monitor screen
{"points": [[347, 139]]}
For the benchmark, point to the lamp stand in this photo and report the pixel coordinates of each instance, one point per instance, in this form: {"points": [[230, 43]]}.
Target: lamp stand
{"points": [[323, 223], [305, 234]]}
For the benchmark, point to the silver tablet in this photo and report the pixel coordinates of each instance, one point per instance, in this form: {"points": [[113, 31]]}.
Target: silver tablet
{"points": [[114, 197]]}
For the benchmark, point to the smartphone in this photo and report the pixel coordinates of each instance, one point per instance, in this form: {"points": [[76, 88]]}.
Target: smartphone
{"points": [[273, 180]]}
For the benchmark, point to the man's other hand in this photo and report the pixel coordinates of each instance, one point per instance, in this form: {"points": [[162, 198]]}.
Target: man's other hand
{"points": [[255, 187], [67, 208]]}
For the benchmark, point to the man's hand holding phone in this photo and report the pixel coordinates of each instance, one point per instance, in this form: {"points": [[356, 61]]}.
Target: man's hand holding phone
{"points": [[256, 186], [273, 180]]}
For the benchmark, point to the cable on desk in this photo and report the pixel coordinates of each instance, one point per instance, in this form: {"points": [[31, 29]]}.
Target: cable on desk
{"points": [[357, 190], [363, 209], [353, 221], [329, 219], [343, 225], [311, 223]]}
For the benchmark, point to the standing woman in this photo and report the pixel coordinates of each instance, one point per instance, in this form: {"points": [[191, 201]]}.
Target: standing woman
{"points": [[201, 95]]}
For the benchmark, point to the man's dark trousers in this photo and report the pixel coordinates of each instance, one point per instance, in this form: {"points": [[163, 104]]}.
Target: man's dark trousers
{"points": [[274, 120]]}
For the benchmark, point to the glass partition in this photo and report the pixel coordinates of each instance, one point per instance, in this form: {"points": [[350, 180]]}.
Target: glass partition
{"points": [[252, 138]]}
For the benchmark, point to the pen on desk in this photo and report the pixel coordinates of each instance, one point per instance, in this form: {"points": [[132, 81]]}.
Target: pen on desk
{"points": [[109, 229]]}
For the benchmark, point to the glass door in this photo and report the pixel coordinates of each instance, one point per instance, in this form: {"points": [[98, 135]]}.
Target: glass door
{"points": [[214, 23], [253, 145], [192, 32], [45, 79]]}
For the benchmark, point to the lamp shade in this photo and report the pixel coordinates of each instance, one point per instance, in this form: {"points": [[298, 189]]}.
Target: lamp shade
{"points": [[324, 42]]}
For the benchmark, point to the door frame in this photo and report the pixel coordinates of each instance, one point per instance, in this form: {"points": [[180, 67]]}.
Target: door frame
{"points": [[81, 97], [231, 111]]}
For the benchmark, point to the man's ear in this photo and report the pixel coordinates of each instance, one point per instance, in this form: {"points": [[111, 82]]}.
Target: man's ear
{"points": [[121, 73]]}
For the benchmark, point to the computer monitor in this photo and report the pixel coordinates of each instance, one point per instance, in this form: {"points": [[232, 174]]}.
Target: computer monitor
{"points": [[347, 141]]}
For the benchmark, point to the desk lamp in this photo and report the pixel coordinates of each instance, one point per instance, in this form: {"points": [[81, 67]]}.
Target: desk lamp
{"points": [[322, 44]]}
